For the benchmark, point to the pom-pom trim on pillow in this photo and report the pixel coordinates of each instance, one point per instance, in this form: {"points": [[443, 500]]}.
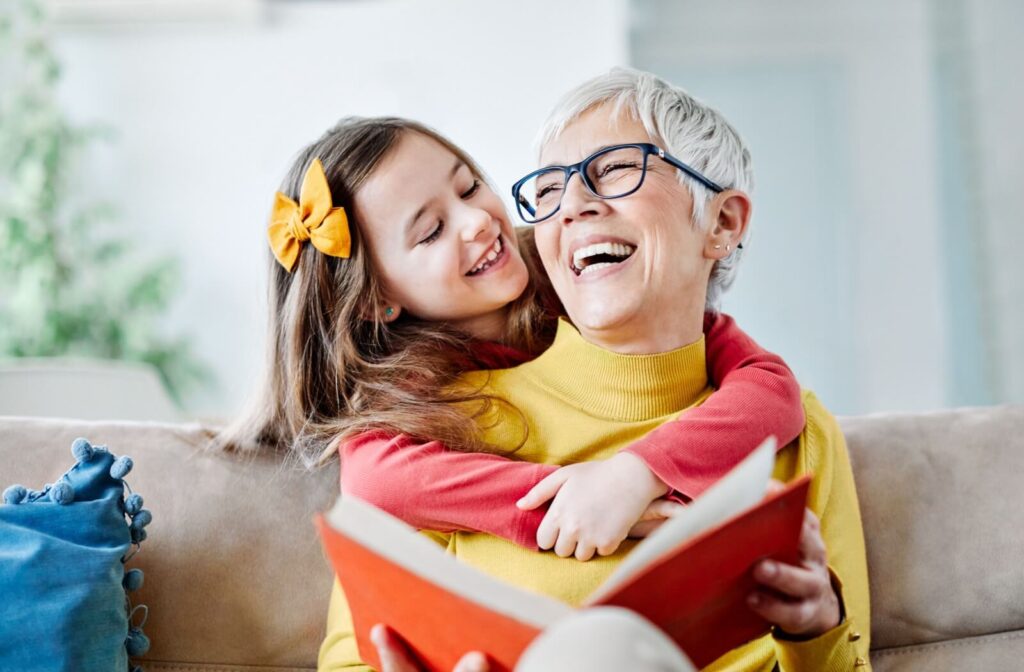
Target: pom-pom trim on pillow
{"points": [[63, 492]]}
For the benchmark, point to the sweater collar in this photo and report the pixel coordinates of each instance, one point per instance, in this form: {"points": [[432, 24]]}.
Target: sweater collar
{"points": [[627, 388]]}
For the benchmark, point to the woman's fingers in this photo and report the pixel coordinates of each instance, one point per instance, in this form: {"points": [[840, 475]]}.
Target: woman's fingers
{"points": [[472, 662], [544, 491], [799, 598], [792, 617], [393, 655], [812, 546], [794, 582]]}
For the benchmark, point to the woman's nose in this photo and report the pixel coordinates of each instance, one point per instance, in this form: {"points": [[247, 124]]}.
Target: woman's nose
{"points": [[577, 201]]}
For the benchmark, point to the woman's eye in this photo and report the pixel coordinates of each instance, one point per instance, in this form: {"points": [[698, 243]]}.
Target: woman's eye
{"points": [[472, 190], [546, 190], [434, 235], [612, 167]]}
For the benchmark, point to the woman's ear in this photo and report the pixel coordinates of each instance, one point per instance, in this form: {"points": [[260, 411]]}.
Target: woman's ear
{"points": [[729, 212]]}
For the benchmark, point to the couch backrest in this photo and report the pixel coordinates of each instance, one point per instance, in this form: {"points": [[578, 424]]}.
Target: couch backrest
{"points": [[235, 575], [942, 500], [233, 569]]}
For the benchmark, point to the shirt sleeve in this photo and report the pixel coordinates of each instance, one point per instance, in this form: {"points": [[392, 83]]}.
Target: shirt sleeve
{"points": [[757, 396], [833, 498], [339, 650], [433, 488]]}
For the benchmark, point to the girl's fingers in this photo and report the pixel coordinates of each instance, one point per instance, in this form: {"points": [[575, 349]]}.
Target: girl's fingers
{"points": [[547, 531], [566, 544], [660, 509], [544, 491], [584, 551]]}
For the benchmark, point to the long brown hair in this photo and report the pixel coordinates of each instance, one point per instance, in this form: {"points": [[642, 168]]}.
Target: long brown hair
{"points": [[334, 369]]}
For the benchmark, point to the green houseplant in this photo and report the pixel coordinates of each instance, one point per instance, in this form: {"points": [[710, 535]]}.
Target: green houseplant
{"points": [[69, 284]]}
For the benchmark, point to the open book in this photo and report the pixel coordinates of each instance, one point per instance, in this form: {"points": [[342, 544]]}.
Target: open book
{"points": [[691, 577]]}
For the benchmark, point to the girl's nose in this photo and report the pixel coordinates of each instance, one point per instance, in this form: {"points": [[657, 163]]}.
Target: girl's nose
{"points": [[477, 223]]}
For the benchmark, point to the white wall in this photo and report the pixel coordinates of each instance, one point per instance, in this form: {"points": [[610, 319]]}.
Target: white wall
{"points": [[844, 273], [850, 274], [209, 117], [996, 47]]}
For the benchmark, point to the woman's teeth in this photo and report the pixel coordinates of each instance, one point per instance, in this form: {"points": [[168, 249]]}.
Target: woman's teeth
{"points": [[601, 255], [489, 258]]}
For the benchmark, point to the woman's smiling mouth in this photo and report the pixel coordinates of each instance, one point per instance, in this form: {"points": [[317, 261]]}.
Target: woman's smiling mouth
{"points": [[592, 258]]}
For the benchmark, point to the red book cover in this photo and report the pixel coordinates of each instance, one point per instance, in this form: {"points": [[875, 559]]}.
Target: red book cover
{"points": [[690, 578]]}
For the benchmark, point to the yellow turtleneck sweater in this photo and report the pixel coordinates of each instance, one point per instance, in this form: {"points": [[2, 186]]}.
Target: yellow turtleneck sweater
{"points": [[579, 402]]}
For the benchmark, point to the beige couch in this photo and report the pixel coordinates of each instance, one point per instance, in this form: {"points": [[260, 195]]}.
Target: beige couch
{"points": [[235, 579]]}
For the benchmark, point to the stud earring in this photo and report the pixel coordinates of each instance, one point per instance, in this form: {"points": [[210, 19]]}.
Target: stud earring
{"points": [[728, 248], [389, 311], [718, 247]]}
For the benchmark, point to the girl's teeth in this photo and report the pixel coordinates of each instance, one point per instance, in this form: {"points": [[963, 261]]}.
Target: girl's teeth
{"points": [[491, 256]]}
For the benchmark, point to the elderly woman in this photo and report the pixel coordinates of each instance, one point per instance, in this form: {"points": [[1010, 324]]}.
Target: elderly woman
{"points": [[631, 355]]}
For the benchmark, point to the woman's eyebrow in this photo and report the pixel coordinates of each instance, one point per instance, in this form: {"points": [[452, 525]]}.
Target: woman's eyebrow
{"points": [[593, 149]]}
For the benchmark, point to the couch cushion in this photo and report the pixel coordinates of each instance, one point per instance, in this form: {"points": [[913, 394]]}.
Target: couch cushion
{"points": [[943, 507], [234, 571], [1003, 651]]}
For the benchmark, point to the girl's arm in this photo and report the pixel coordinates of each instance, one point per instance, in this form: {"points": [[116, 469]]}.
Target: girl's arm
{"points": [[595, 504], [431, 487], [757, 396]]}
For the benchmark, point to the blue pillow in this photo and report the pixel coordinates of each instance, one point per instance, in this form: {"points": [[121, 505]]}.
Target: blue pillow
{"points": [[63, 586]]}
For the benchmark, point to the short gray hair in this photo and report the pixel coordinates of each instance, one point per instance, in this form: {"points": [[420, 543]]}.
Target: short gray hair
{"points": [[688, 129]]}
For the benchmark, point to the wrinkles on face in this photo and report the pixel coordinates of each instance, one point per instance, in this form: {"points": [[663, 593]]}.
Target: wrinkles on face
{"points": [[654, 300]]}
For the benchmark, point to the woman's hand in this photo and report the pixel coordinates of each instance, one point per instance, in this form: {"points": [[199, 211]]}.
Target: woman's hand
{"points": [[395, 657], [595, 504], [799, 599]]}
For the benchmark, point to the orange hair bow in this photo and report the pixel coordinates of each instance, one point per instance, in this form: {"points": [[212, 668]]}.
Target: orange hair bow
{"points": [[313, 218]]}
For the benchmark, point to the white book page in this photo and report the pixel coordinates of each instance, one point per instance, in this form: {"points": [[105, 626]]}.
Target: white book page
{"points": [[387, 536], [737, 491]]}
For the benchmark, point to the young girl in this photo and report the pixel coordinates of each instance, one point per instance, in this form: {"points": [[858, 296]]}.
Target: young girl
{"points": [[395, 269]]}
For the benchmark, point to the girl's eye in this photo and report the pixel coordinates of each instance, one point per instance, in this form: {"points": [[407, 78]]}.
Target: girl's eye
{"points": [[434, 235], [472, 190]]}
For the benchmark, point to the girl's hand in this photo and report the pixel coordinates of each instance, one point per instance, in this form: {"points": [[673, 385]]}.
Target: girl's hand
{"points": [[595, 504], [656, 513], [799, 599], [394, 657]]}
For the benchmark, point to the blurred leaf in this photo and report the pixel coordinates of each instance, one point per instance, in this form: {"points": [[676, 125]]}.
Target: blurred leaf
{"points": [[66, 287]]}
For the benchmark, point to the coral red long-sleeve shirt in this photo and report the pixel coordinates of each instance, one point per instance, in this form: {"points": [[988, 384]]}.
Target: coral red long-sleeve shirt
{"points": [[431, 487]]}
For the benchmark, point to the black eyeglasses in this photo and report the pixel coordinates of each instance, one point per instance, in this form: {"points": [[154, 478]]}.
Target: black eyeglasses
{"points": [[612, 172]]}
